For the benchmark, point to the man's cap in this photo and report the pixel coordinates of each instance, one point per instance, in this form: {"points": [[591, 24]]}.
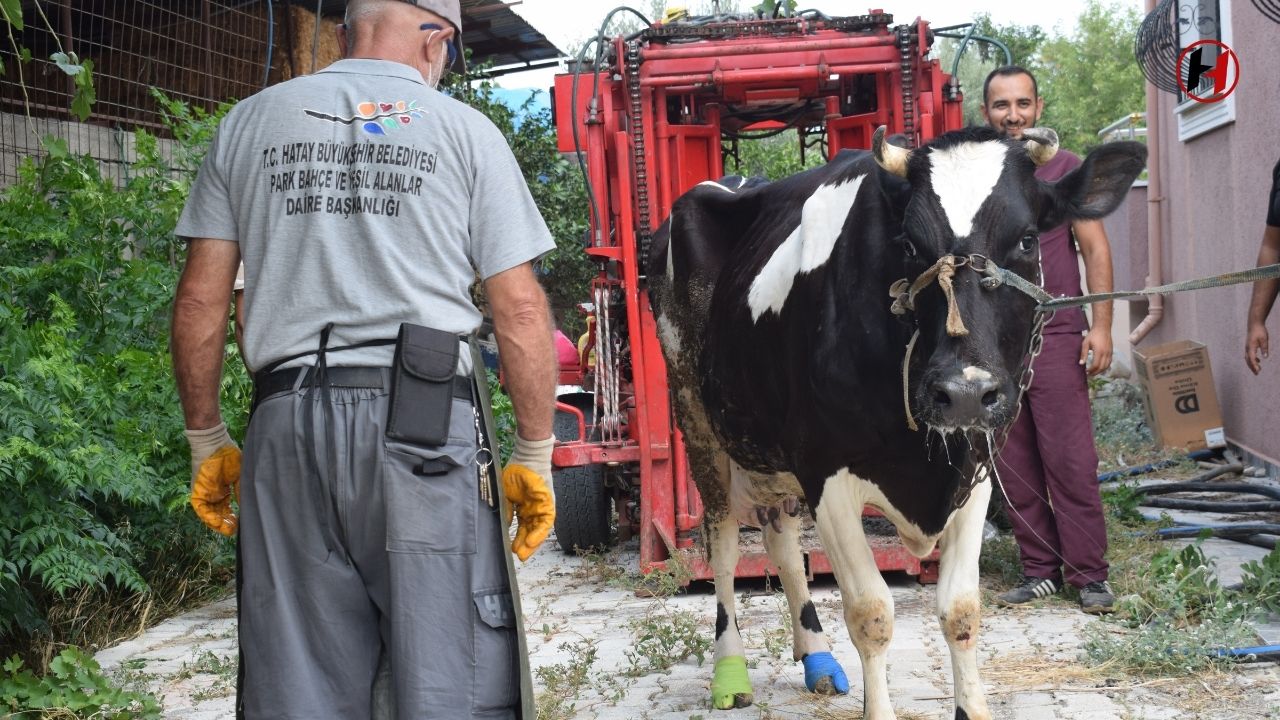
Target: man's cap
{"points": [[451, 11]]}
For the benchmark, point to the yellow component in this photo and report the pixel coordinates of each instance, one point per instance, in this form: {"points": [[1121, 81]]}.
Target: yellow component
{"points": [[535, 508], [215, 483], [675, 13]]}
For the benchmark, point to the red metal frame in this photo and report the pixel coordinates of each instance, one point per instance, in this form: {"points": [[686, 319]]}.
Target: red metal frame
{"points": [[684, 92]]}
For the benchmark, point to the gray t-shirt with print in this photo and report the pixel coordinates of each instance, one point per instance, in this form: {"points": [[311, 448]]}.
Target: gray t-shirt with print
{"points": [[361, 196]]}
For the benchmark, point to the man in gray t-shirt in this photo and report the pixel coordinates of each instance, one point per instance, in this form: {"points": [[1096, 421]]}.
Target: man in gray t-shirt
{"points": [[360, 198]]}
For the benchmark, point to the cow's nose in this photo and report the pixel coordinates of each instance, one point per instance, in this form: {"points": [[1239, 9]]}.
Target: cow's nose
{"points": [[967, 401]]}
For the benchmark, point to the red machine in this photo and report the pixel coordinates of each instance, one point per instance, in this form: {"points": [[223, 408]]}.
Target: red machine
{"points": [[657, 116]]}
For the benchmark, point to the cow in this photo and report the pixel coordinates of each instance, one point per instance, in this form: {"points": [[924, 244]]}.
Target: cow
{"points": [[796, 373]]}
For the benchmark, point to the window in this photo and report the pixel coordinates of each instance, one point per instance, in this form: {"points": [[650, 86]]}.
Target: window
{"points": [[1204, 20]]}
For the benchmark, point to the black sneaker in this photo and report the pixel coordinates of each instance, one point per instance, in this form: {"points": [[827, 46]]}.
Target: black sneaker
{"points": [[1096, 598], [1031, 588]]}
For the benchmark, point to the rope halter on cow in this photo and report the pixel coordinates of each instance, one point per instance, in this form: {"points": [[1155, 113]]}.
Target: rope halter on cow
{"points": [[1041, 145], [904, 294]]}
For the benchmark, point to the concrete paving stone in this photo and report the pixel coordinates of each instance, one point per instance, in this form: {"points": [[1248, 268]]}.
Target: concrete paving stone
{"points": [[1032, 699], [1086, 702], [1035, 712], [564, 604]]}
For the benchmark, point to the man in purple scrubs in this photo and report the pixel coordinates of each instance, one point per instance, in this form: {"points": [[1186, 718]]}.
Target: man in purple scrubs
{"points": [[1048, 466]]}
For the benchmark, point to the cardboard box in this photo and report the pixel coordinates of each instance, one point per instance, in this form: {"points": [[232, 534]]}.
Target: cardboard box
{"points": [[1182, 405]]}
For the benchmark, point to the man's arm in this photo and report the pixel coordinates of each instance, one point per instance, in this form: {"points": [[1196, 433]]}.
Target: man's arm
{"points": [[1257, 345], [200, 328], [1096, 252], [522, 324]]}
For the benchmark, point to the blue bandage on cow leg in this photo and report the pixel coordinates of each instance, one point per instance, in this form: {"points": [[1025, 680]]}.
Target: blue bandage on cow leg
{"points": [[823, 674]]}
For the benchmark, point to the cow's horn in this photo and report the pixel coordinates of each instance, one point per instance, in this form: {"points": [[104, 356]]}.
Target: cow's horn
{"points": [[889, 156], [1041, 144]]}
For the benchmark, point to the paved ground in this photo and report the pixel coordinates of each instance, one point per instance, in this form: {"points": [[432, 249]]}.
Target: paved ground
{"points": [[584, 619]]}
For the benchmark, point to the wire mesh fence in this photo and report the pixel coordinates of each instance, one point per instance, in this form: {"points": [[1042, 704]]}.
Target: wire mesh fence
{"points": [[199, 51]]}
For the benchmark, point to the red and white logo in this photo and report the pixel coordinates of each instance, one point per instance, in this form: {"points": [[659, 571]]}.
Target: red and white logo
{"points": [[1208, 83]]}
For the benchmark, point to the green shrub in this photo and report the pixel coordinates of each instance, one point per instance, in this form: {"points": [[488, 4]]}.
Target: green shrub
{"points": [[74, 688], [1261, 582], [1173, 619], [93, 466]]}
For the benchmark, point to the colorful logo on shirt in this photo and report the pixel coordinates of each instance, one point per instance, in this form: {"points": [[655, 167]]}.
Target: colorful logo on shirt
{"points": [[378, 118]]}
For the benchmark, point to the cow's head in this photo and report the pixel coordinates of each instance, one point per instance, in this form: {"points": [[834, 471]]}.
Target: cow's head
{"points": [[974, 198]]}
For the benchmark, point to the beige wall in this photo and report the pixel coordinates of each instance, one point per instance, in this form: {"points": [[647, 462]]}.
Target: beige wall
{"points": [[1216, 188]]}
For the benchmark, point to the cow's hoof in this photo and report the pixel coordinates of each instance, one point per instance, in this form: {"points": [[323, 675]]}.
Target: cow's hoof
{"points": [[730, 687], [980, 713], [823, 674]]}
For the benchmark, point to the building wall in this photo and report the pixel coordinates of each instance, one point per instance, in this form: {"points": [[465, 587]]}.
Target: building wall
{"points": [[1216, 188], [1127, 233], [114, 149]]}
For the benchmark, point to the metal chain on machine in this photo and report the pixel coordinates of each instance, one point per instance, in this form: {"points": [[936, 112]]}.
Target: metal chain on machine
{"points": [[781, 26], [635, 121], [906, 51], [607, 371]]}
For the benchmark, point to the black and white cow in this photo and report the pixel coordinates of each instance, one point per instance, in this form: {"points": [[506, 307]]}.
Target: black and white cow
{"points": [[787, 370]]}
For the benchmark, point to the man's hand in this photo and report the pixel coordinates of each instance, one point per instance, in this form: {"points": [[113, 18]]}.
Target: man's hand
{"points": [[526, 481], [215, 477], [1256, 346], [1099, 341]]}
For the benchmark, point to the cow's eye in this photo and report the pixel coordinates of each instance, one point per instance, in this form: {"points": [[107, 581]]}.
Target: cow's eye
{"points": [[908, 248], [1028, 242]]}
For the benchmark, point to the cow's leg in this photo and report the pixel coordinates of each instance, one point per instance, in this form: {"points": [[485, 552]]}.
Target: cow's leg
{"points": [[822, 673], [868, 606], [959, 604], [730, 686]]}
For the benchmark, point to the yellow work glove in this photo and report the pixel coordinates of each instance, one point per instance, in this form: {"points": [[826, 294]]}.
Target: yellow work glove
{"points": [[215, 477], [526, 481]]}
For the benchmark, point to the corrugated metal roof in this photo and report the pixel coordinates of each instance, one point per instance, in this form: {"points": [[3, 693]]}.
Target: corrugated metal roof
{"points": [[490, 29]]}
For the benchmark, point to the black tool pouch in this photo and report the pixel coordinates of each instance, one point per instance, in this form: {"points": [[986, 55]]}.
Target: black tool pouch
{"points": [[422, 373]]}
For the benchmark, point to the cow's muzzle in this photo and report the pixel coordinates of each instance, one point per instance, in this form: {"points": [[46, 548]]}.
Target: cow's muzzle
{"points": [[972, 399]]}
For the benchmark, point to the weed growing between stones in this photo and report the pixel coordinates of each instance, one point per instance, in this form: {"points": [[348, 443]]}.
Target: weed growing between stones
{"points": [[663, 638], [565, 682]]}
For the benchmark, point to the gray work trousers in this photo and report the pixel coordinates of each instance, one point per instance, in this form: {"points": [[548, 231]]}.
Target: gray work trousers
{"points": [[355, 549]]}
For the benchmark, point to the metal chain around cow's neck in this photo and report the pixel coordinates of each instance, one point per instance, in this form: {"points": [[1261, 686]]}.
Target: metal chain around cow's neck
{"points": [[1025, 374], [904, 292]]}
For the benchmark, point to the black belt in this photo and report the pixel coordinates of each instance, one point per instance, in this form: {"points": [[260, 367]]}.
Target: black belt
{"points": [[278, 381]]}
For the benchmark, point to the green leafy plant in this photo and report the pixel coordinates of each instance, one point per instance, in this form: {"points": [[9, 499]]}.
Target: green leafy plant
{"points": [[1173, 620], [564, 683], [1261, 581], [79, 70], [94, 524], [504, 416], [662, 639], [1122, 501], [73, 688]]}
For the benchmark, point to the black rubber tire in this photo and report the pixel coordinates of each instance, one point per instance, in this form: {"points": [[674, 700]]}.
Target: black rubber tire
{"points": [[584, 511], [566, 426]]}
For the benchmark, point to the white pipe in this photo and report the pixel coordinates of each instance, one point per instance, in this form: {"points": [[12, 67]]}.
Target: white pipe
{"points": [[1155, 226]]}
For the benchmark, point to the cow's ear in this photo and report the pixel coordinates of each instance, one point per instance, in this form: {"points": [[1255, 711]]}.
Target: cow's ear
{"points": [[896, 190], [1096, 188]]}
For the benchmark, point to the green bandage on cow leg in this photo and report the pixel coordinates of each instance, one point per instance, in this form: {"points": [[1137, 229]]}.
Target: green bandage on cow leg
{"points": [[730, 687]]}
